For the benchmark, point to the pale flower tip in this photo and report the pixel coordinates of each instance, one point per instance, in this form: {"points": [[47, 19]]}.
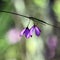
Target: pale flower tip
{"points": [[22, 32], [28, 36]]}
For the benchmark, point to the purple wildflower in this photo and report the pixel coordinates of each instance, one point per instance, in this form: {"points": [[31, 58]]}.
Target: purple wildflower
{"points": [[28, 32], [36, 29], [25, 31]]}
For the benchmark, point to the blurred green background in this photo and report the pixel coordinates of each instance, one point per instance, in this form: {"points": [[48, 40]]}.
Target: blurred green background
{"points": [[14, 47]]}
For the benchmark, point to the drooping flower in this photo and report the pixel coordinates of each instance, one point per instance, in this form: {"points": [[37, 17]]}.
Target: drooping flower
{"points": [[36, 29], [25, 32], [29, 32]]}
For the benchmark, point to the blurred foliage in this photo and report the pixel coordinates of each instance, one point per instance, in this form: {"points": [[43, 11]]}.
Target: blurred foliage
{"points": [[56, 8], [3, 46], [7, 22], [41, 3], [11, 52]]}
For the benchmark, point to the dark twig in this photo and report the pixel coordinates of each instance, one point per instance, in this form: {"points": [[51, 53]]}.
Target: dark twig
{"points": [[33, 18]]}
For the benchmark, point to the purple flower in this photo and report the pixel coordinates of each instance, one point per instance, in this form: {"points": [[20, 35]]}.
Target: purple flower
{"points": [[28, 32], [36, 29], [25, 31]]}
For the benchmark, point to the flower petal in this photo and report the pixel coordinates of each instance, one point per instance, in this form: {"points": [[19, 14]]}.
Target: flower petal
{"points": [[22, 32], [37, 31], [27, 32], [28, 36], [31, 30]]}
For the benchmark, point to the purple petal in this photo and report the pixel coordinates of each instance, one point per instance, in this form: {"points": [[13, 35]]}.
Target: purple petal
{"points": [[31, 30], [22, 32], [27, 33], [37, 31]]}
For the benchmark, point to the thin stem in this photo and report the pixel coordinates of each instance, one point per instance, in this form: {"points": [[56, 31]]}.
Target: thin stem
{"points": [[33, 18], [43, 22], [14, 13]]}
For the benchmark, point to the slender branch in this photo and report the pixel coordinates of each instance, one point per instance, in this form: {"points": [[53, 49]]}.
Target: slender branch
{"points": [[14, 13], [33, 18], [42, 21]]}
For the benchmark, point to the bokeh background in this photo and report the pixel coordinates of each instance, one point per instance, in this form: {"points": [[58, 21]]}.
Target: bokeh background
{"points": [[15, 47]]}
